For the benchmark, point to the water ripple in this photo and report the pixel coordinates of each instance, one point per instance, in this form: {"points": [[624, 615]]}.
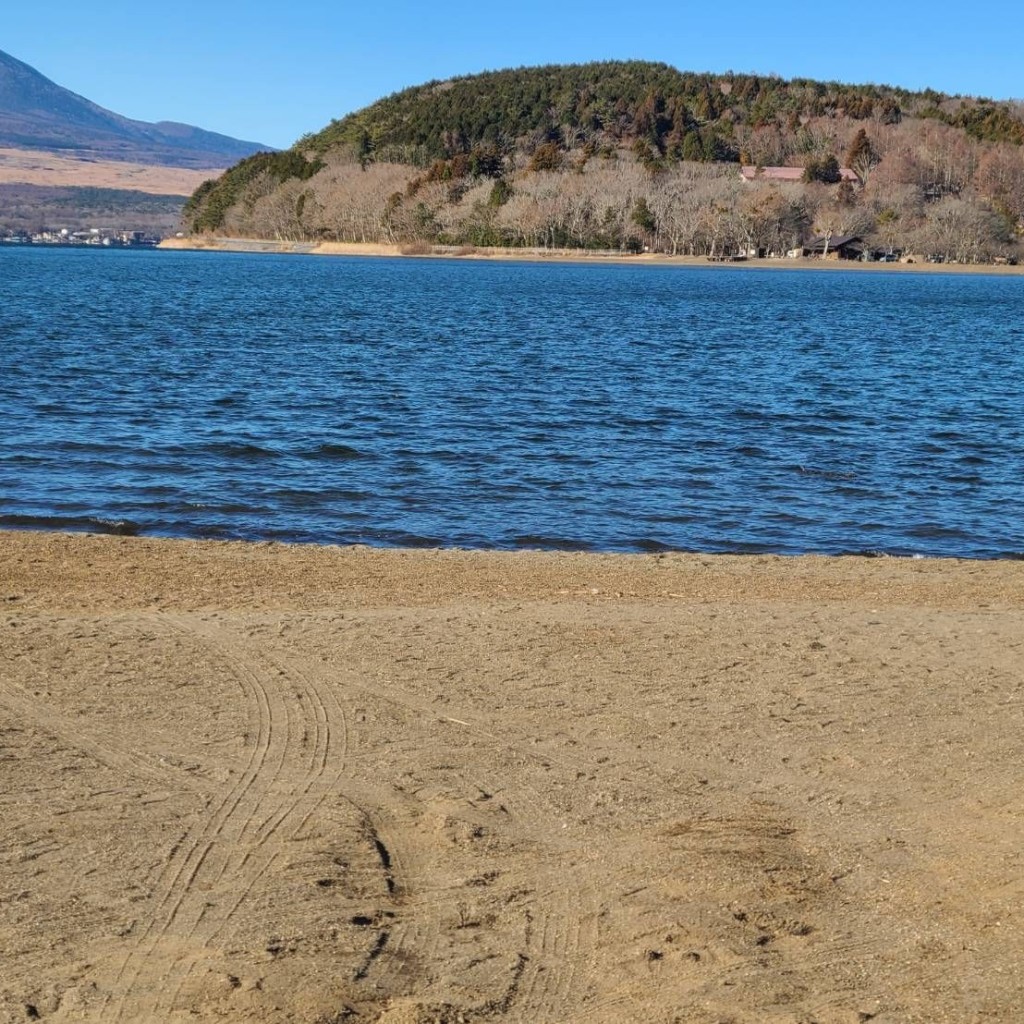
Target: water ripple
{"points": [[507, 406]]}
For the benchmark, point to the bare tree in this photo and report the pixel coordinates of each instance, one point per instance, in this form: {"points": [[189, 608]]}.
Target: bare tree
{"points": [[1000, 178], [962, 231]]}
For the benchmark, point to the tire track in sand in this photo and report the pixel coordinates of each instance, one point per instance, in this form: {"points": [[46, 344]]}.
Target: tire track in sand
{"points": [[153, 765], [226, 856], [560, 936], [282, 816], [175, 895], [559, 931], [295, 764], [175, 900]]}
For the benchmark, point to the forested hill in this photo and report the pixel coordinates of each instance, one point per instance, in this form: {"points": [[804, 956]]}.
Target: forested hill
{"points": [[684, 115], [615, 102], [464, 162]]}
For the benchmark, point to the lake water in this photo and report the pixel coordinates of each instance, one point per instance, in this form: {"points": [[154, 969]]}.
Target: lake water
{"points": [[499, 405]]}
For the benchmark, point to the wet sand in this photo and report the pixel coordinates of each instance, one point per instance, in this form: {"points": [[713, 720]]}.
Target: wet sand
{"points": [[263, 783]]}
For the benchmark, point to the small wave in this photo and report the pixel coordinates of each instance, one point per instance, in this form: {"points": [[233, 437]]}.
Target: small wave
{"points": [[788, 519], [543, 542], [643, 422], [83, 446], [24, 460], [935, 531], [213, 531], [854, 492], [651, 546], [400, 539], [225, 508], [744, 547], [240, 450], [123, 527], [814, 429], [339, 452], [300, 498], [86, 524], [838, 416], [825, 474]]}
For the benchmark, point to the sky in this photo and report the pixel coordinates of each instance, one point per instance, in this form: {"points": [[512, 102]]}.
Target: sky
{"points": [[270, 72]]}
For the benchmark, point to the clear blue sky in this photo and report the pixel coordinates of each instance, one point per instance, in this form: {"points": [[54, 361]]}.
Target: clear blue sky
{"points": [[272, 71]]}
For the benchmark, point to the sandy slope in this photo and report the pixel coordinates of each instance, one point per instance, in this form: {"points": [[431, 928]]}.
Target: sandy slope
{"points": [[260, 783]]}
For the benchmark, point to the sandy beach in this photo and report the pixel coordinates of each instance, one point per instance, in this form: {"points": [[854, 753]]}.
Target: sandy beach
{"points": [[211, 244], [266, 783]]}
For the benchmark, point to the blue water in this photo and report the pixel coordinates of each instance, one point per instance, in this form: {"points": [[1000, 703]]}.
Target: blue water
{"points": [[408, 402]]}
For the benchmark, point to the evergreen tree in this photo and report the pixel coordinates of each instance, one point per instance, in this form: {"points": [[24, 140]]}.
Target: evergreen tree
{"points": [[861, 157]]}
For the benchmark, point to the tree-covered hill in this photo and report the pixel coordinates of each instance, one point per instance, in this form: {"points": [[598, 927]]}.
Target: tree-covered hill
{"points": [[465, 160], [610, 101], [684, 115]]}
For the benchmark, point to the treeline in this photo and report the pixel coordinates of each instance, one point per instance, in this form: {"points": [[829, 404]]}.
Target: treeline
{"points": [[620, 155], [36, 208], [689, 209], [207, 206]]}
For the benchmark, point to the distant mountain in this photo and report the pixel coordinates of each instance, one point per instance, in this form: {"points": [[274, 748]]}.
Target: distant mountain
{"points": [[38, 114]]}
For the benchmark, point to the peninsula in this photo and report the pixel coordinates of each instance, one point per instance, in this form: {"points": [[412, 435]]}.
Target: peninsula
{"points": [[635, 157]]}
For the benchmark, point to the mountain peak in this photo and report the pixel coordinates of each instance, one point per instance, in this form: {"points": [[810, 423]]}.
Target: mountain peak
{"points": [[36, 113]]}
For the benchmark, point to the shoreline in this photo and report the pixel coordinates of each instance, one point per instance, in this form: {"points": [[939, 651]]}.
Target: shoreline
{"points": [[432, 785], [101, 527], [568, 256], [485, 572]]}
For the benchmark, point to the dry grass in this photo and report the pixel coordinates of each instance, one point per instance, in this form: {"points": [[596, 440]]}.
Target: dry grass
{"points": [[42, 168], [417, 249]]}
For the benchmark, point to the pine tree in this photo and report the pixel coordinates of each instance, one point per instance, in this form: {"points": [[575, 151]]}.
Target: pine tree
{"points": [[861, 157]]}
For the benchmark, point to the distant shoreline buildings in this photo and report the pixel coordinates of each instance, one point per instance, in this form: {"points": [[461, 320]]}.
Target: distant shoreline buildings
{"points": [[92, 237]]}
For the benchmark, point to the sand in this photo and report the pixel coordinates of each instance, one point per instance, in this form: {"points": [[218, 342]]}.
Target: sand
{"points": [[210, 243], [263, 783]]}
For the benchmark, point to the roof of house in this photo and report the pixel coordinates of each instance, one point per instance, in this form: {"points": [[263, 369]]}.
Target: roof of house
{"points": [[788, 174], [835, 242]]}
